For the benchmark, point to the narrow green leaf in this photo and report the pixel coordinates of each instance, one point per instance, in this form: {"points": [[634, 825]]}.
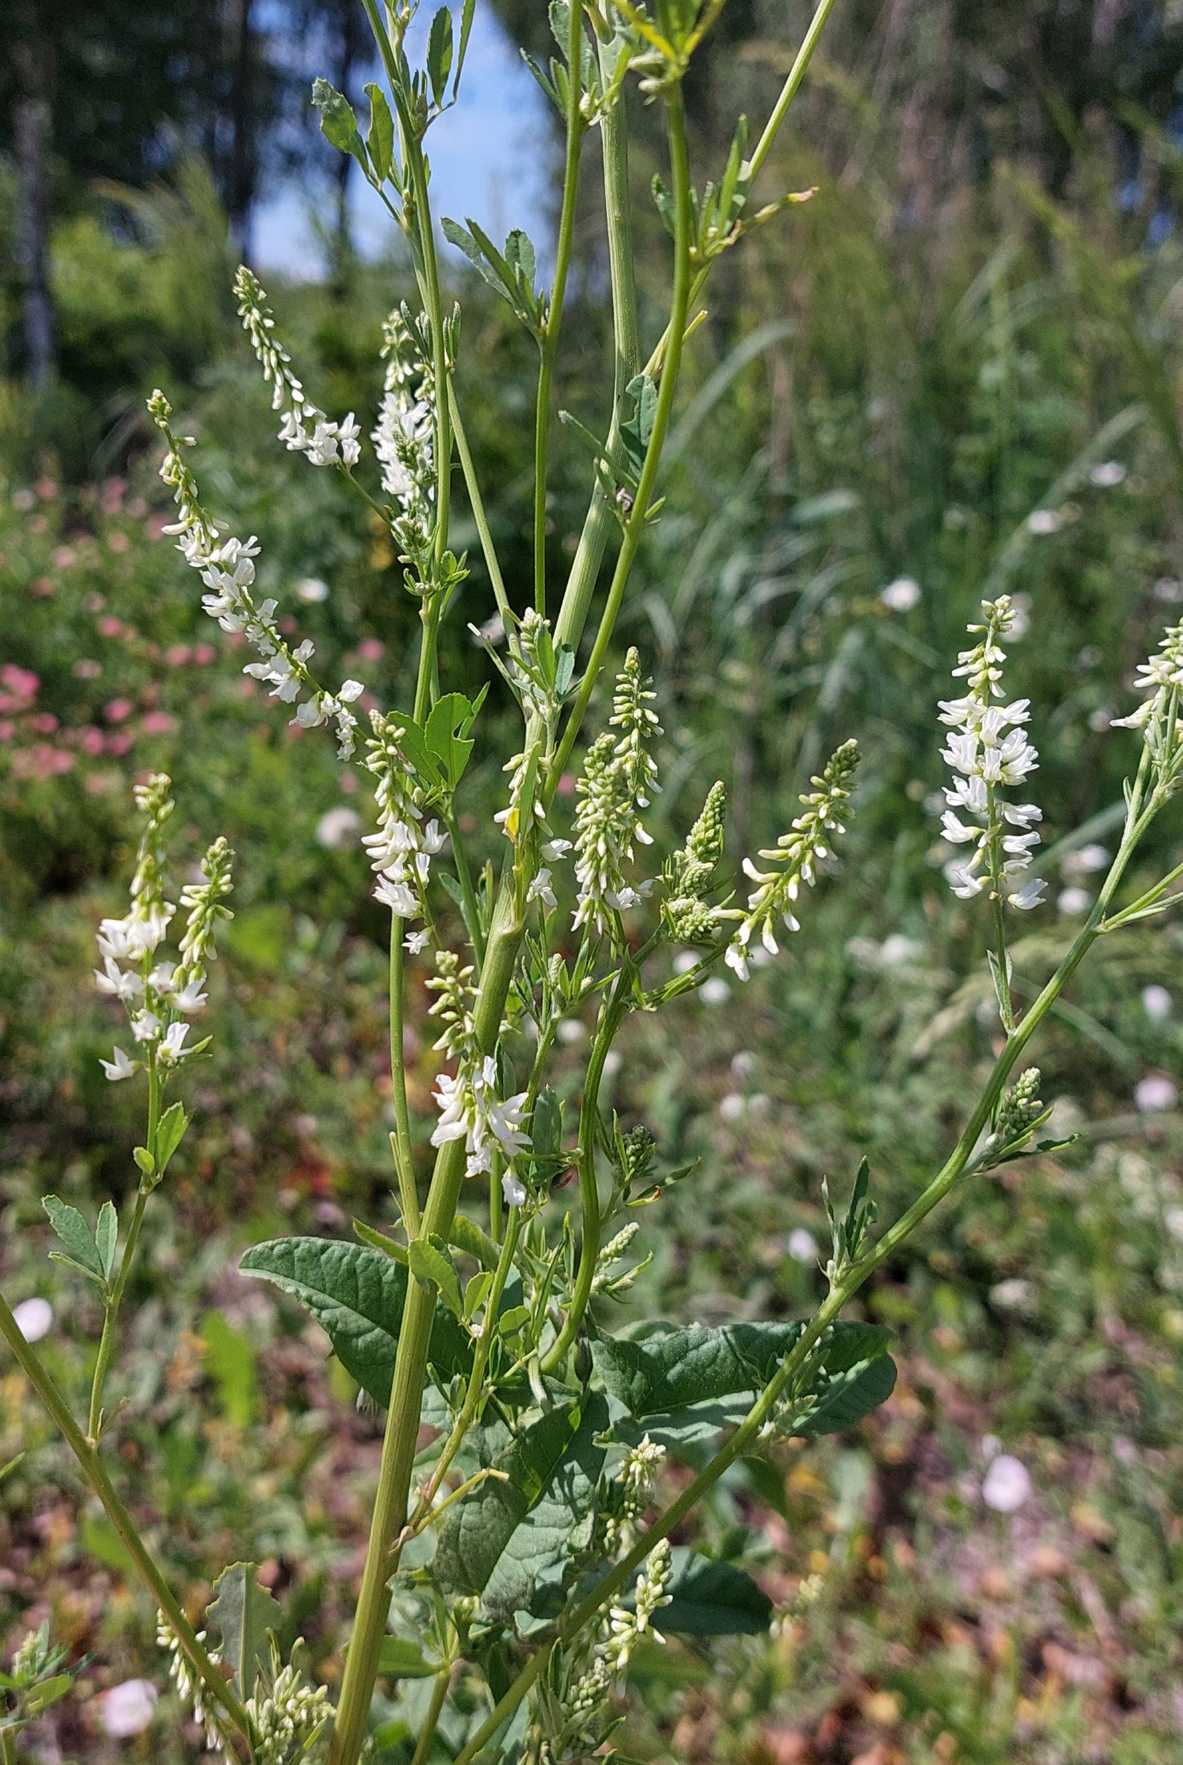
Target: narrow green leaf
{"points": [[244, 1615], [380, 1241], [106, 1237], [709, 1598], [356, 1294], [75, 1234], [429, 1262], [466, 17], [380, 140], [439, 53], [170, 1131]]}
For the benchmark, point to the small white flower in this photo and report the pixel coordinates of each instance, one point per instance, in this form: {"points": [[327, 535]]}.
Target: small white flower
{"points": [[145, 1027], [802, 1245], [415, 942], [540, 889], [119, 1066], [1029, 895], [513, 1191], [1074, 901], [397, 896], [190, 998], [1044, 521], [901, 595], [714, 990], [173, 1046], [555, 849], [1006, 1485], [1155, 1091], [33, 1318], [128, 1709], [571, 1030], [1087, 860], [123, 984], [1107, 475], [1156, 1003], [312, 589], [731, 1107], [349, 690]]}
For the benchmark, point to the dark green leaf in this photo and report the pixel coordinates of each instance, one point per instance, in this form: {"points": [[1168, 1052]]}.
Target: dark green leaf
{"points": [[464, 1234], [75, 1234], [243, 1614], [475, 1531], [357, 1295], [713, 1599], [465, 29], [688, 1366]]}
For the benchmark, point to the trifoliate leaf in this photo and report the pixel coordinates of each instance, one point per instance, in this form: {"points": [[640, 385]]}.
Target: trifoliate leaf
{"points": [[76, 1235]]}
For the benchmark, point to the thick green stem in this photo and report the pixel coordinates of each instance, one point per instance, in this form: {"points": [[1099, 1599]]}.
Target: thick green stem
{"points": [[94, 1471], [131, 1245], [554, 315], [589, 1192]]}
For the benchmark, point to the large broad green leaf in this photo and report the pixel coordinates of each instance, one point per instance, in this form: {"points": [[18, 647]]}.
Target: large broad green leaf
{"points": [[685, 1383], [712, 1599], [529, 1572], [477, 1530], [357, 1295], [244, 1615]]}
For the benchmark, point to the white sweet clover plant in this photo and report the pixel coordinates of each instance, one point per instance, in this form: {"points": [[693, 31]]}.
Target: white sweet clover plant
{"points": [[517, 1560]]}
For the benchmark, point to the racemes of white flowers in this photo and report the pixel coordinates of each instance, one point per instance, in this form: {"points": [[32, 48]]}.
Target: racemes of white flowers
{"points": [[796, 856], [227, 568], [403, 847], [159, 996], [989, 753], [471, 1108], [618, 776], [304, 429], [404, 434]]}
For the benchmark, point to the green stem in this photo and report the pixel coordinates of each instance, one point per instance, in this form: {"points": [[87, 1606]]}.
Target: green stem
{"points": [[791, 86], [94, 1471], [554, 315], [747, 1433], [477, 504], [404, 1151], [439, 1692], [683, 222], [589, 1192], [102, 1364]]}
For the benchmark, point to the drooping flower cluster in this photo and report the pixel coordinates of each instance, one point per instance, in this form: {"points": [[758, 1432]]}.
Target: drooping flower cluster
{"points": [[227, 568], [159, 996], [471, 1108], [989, 752], [188, 1687], [618, 775], [403, 847], [304, 429], [797, 854], [404, 435], [689, 875]]}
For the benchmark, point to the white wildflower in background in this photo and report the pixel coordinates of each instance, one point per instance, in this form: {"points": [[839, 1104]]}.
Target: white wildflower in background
{"points": [[797, 854], [1156, 1091], [337, 827], [1006, 1485], [1156, 1003], [1107, 474], [127, 1710], [989, 752], [802, 1245], [304, 429], [901, 595], [33, 1318], [1158, 678], [1041, 522]]}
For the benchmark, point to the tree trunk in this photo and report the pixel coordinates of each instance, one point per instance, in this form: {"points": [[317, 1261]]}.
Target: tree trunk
{"points": [[31, 124]]}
